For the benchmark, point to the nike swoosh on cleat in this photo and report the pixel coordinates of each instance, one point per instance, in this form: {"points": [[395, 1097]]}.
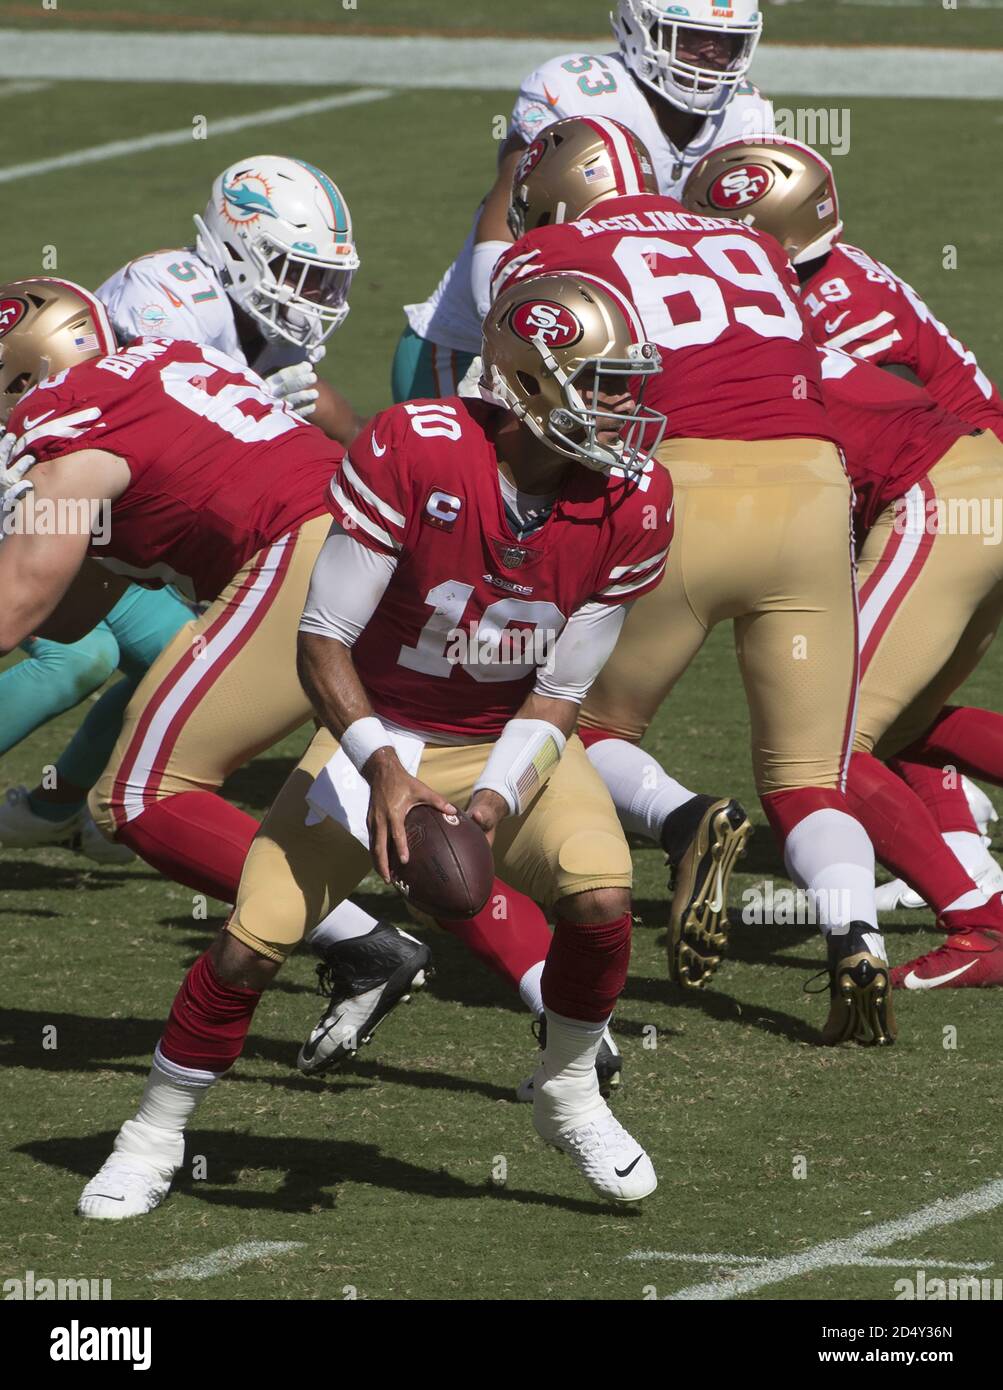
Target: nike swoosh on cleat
{"points": [[913, 981], [107, 1197], [625, 1172]]}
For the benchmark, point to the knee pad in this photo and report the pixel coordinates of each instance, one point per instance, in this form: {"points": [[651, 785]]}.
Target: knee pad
{"points": [[595, 856]]}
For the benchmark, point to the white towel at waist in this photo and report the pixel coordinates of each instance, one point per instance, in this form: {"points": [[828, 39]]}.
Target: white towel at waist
{"points": [[342, 794]]}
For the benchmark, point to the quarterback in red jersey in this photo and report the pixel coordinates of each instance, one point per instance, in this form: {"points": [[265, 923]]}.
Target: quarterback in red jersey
{"points": [[763, 529], [476, 577], [855, 303]]}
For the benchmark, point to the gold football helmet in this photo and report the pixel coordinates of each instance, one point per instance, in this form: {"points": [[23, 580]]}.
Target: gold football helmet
{"points": [[574, 164], [45, 326], [558, 339], [776, 185]]}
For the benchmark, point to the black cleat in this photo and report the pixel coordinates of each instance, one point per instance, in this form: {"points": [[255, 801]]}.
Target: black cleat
{"points": [[609, 1063], [702, 840], [365, 978], [860, 992]]}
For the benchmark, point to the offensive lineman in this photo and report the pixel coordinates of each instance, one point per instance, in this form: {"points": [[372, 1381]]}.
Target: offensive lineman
{"points": [[763, 508], [678, 79], [857, 304]]}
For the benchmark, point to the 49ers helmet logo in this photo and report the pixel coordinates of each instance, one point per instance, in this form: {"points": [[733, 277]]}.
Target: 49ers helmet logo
{"points": [[740, 186], [544, 318], [530, 160], [11, 312]]}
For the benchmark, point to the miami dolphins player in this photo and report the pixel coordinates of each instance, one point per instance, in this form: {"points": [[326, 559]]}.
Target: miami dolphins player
{"points": [[266, 282], [678, 80]]}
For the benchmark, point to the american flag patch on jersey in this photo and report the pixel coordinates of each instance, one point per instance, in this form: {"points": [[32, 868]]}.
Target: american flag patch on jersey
{"points": [[87, 342]]}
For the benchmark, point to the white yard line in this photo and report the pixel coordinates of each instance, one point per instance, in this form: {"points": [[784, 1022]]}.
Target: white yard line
{"points": [[21, 89], [860, 1262], [272, 115], [493, 64], [833, 1253], [230, 1257]]}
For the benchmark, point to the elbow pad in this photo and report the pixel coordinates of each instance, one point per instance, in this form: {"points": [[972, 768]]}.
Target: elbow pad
{"points": [[525, 755]]}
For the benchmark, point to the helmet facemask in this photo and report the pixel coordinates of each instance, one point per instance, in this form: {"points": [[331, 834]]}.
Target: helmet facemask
{"points": [[299, 297], [574, 428], [655, 47]]}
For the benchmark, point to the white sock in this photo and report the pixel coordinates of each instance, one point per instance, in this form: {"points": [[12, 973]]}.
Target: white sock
{"points": [[569, 1062], [830, 854], [530, 989], [969, 849], [642, 791], [172, 1094], [342, 924]]}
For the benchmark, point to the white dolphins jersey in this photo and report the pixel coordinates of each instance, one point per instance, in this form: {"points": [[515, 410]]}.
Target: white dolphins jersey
{"points": [[583, 85], [175, 294]]}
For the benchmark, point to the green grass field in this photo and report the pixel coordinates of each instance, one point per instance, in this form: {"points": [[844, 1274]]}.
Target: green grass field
{"points": [[382, 1177]]}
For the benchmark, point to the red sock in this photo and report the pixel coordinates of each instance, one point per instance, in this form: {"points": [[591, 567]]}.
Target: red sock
{"points": [[586, 968], [905, 836], [510, 935], [947, 804], [208, 1020], [196, 839], [969, 739]]}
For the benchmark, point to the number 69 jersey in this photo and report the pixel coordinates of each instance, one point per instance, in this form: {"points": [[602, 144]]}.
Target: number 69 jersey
{"points": [[219, 467], [472, 612], [720, 301]]}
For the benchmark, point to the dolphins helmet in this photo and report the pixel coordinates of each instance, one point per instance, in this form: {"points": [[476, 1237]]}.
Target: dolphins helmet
{"points": [[279, 235], [649, 33]]}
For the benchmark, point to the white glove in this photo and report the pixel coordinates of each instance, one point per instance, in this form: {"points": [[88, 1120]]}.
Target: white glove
{"points": [[296, 386], [470, 385], [13, 484]]}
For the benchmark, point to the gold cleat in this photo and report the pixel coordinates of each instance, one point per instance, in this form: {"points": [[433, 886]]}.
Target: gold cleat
{"points": [[698, 916], [860, 992]]}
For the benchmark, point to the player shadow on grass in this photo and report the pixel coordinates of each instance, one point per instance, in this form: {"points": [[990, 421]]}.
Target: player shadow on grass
{"points": [[255, 786], [311, 1167], [87, 1044], [30, 876]]}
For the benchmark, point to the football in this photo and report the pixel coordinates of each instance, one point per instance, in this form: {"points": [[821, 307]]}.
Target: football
{"points": [[450, 869]]}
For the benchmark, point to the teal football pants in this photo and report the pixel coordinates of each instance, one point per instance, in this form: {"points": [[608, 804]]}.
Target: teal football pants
{"points": [[424, 371], [58, 675]]}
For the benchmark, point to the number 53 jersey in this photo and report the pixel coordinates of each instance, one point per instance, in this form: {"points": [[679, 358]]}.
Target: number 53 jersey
{"points": [[472, 612], [219, 467], [720, 301]]}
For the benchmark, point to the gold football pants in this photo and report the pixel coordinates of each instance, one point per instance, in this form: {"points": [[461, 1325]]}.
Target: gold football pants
{"points": [[221, 692], [931, 594], [567, 841], [763, 539]]}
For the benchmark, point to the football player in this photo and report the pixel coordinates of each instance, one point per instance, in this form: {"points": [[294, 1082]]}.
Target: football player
{"points": [[421, 550], [678, 78], [266, 282], [857, 304], [763, 516]]}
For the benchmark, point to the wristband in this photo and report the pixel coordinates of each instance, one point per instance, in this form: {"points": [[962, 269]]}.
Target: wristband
{"points": [[362, 739], [525, 755]]}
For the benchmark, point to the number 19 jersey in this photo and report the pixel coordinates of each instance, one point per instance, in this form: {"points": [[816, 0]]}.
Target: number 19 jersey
{"points": [[720, 301]]}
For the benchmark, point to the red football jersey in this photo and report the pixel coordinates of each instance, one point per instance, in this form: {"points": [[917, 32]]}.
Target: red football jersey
{"points": [[720, 300], [858, 305], [219, 467], [471, 611], [891, 431]]}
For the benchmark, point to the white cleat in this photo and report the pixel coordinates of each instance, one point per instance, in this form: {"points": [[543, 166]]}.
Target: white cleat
{"points": [[608, 1158], [20, 828], [136, 1177], [103, 851]]}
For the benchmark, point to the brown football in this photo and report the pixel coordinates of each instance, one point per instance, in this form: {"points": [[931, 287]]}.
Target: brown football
{"points": [[450, 868]]}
